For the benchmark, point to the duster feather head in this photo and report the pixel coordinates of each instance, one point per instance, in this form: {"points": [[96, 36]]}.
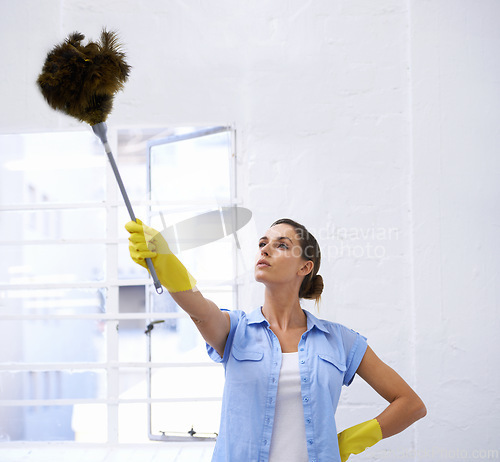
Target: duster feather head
{"points": [[82, 80]]}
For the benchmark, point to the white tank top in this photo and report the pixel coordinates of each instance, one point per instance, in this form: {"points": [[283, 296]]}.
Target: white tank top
{"points": [[288, 441]]}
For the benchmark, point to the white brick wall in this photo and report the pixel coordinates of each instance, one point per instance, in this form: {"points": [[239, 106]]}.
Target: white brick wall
{"points": [[354, 114], [456, 145]]}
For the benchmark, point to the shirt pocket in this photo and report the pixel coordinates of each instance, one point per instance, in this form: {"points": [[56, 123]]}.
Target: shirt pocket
{"points": [[334, 361], [246, 355], [331, 371], [245, 367]]}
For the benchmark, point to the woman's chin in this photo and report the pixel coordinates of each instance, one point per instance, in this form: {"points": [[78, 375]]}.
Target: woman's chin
{"points": [[259, 276]]}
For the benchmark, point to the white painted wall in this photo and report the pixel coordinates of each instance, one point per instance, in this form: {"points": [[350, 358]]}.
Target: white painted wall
{"points": [[353, 117], [455, 223]]}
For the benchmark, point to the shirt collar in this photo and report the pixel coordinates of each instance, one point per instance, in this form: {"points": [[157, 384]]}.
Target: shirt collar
{"points": [[256, 317], [313, 321]]}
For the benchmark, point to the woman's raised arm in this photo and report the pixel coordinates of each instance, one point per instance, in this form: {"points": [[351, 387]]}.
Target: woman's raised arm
{"points": [[146, 242], [212, 323]]}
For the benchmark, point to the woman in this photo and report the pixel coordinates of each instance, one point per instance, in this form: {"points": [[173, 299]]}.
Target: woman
{"points": [[284, 367]]}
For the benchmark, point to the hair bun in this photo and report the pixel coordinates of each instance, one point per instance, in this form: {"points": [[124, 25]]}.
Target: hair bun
{"points": [[315, 289]]}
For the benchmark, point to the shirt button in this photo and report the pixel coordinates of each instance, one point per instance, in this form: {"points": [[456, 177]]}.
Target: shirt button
{"points": [[273, 379], [308, 420], [310, 441], [306, 399], [275, 363], [267, 420], [304, 379], [302, 361], [302, 349], [265, 442]]}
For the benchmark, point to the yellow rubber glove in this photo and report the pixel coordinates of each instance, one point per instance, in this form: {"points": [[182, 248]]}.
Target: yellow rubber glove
{"points": [[146, 242], [354, 440]]}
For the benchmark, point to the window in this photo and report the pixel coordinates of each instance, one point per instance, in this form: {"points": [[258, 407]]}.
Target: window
{"points": [[74, 308]]}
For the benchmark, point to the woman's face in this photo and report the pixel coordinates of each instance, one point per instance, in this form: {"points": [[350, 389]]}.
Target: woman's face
{"points": [[279, 259]]}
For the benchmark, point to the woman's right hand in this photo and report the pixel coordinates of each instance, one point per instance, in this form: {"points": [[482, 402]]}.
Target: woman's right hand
{"points": [[146, 242]]}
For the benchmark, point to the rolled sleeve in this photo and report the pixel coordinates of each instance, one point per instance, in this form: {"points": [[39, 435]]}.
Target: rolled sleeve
{"points": [[357, 345], [234, 317]]}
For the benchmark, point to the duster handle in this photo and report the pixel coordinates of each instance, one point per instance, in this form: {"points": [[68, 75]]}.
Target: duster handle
{"points": [[100, 130]]}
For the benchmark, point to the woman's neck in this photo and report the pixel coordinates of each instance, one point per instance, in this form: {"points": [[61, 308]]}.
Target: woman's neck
{"points": [[283, 310]]}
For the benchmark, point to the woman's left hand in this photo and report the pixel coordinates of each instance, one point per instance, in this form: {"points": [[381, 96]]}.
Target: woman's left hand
{"points": [[354, 440]]}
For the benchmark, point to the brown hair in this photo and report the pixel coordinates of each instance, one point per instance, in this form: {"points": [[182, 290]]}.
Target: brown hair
{"points": [[312, 285]]}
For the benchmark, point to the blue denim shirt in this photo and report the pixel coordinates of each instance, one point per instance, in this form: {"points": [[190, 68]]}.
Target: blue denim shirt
{"points": [[329, 355]]}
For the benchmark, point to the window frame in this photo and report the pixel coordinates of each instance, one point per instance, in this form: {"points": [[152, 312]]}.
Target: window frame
{"points": [[112, 317]]}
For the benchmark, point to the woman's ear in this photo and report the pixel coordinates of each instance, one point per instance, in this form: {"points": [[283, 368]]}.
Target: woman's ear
{"points": [[306, 268]]}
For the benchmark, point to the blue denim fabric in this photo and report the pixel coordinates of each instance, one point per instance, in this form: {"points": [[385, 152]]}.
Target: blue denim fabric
{"points": [[329, 355]]}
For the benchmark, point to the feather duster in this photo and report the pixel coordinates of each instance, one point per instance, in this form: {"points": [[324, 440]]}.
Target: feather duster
{"points": [[81, 80]]}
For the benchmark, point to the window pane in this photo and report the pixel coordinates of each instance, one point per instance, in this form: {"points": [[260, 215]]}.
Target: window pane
{"points": [[132, 339], [134, 178], [213, 262], [57, 384], [133, 423], [188, 382], [133, 343], [53, 301], [52, 340], [52, 167], [89, 423], [32, 264], [191, 170], [53, 224], [53, 423], [133, 383]]}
